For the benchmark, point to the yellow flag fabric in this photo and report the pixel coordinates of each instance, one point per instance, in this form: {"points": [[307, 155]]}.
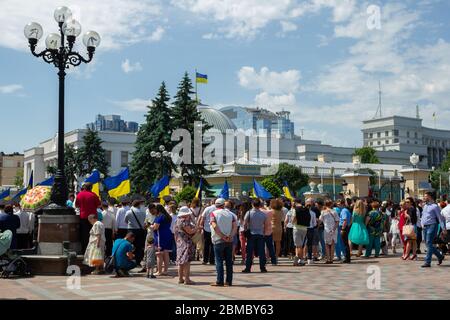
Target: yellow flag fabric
{"points": [[123, 189], [163, 193], [96, 189], [287, 193]]}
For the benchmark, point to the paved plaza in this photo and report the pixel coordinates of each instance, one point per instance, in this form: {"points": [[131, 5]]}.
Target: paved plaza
{"points": [[399, 280]]}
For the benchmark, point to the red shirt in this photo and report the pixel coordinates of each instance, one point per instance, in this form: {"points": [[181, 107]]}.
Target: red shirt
{"points": [[88, 202]]}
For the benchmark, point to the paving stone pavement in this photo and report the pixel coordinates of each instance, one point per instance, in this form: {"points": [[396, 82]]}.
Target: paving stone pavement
{"points": [[398, 280]]}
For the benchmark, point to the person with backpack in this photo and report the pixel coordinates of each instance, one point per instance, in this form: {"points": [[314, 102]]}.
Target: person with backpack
{"points": [[301, 221], [375, 229]]}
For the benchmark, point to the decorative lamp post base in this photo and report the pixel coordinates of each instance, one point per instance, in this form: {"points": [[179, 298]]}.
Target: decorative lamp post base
{"points": [[59, 198]]}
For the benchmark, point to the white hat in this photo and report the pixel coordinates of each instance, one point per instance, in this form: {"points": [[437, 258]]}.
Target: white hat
{"points": [[184, 211], [220, 202]]}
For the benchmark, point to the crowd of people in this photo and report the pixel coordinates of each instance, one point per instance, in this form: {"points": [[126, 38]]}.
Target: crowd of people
{"points": [[151, 236]]}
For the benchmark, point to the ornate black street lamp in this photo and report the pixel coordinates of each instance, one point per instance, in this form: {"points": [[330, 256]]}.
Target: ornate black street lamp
{"points": [[59, 52], [161, 155]]}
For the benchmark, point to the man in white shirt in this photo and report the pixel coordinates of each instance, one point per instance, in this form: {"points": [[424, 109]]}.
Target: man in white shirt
{"points": [[121, 224], [109, 221], [223, 229], [204, 222], [26, 227]]}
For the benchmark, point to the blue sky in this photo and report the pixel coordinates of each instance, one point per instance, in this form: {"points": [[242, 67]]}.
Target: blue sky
{"points": [[315, 58]]}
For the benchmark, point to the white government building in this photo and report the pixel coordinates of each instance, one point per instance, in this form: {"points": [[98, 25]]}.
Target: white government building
{"points": [[395, 138]]}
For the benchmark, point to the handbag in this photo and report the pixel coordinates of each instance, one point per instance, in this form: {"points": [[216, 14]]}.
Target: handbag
{"points": [[409, 232], [196, 238], [97, 258]]}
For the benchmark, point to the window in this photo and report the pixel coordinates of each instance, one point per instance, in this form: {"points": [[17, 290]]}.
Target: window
{"points": [[370, 135], [386, 133], [396, 133], [108, 156], [19, 164], [379, 143], [124, 159], [396, 140], [386, 142], [371, 143], [407, 142], [378, 134], [415, 135], [407, 134]]}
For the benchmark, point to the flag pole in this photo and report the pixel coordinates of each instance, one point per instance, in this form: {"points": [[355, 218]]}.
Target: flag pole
{"points": [[196, 87]]}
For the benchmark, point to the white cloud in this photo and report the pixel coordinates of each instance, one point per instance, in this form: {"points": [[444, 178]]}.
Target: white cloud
{"points": [[118, 22], [157, 34], [10, 88], [270, 81], [128, 67], [276, 102], [134, 105], [287, 26]]}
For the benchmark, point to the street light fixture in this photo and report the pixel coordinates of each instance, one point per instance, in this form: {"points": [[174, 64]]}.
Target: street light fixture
{"points": [[59, 53], [162, 154]]}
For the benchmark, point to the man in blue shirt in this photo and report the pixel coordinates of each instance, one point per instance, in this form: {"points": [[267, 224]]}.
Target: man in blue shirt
{"points": [[345, 220], [431, 218], [123, 255]]}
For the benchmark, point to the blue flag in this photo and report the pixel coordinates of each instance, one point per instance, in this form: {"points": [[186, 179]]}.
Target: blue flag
{"points": [[225, 193], [48, 183], [160, 185], [5, 194], [94, 178], [260, 191], [118, 185], [30, 182]]}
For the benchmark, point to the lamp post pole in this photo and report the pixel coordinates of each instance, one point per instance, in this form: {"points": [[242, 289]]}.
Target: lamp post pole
{"points": [[59, 52]]}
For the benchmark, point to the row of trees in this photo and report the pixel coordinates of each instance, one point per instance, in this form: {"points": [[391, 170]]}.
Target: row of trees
{"points": [[160, 121]]}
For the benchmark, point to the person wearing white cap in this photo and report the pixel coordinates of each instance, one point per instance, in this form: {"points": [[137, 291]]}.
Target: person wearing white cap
{"points": [[184, 230], [223, 229]]}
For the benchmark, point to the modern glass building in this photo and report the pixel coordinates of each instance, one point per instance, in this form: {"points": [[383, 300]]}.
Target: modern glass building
{"points": [[261, 120], [112, 123]]}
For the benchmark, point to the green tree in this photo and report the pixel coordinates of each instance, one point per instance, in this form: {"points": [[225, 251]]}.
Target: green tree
{"points": [[440, 176], [293, 175], [92, 155], [18, 178], [156, 131], [185, 114], [367, 154], [270, 185], [72, 166], [186, 194]]}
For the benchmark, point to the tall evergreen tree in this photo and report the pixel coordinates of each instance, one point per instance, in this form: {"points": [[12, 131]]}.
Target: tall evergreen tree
{"points": [[92, 155], [156, 131], [185, 114], [72, 166]]}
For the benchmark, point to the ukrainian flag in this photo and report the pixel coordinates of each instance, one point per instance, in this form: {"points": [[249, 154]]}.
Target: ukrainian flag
{"points": [[47, 183], [119, 185], [198, 194], [94, 178], [161, 188], [287, 192], [201, 78], [30, 182], [225, 193], [5, 195], [23, 192], [260, 191]]}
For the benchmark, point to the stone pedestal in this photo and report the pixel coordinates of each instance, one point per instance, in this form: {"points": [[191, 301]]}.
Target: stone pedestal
{"points": [[415, 179], [56, 229], [314, 195], [358, 183]]}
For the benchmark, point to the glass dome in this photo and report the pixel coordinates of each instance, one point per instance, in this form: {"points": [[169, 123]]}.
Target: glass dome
{"points": [[216, 119]]}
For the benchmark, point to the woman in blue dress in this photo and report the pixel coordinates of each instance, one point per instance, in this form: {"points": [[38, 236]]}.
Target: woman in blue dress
{"points": [[358, 232], [163, 239]]}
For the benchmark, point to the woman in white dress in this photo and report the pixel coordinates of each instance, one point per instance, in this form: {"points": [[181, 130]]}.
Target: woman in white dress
{"points": [[95, 251]]}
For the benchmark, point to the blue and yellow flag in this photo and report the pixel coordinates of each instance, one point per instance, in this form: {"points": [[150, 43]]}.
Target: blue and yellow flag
{"points": [[161, 188], [5, 195], [30, 182], [119, 185], [201, 78], [94, 178], [19, 195], [198, 194], [260, 191], [225, 193], [47, 183], [287, 192]]}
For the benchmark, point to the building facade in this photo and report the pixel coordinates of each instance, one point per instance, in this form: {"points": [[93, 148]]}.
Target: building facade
{"points": [[11, 166], [118, 146], [112, 123], [405, 136]]}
